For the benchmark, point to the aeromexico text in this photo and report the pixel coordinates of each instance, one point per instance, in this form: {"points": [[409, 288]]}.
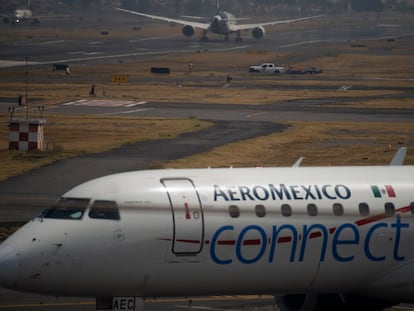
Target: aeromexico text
{"points": [[281, 192]]}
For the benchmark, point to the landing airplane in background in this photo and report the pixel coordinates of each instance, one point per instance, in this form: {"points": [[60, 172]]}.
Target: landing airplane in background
{"points": [[223, 23], [318, 238]]}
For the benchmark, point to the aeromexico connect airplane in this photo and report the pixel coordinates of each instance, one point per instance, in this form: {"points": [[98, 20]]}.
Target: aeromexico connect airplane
{"points": [[318, 238]]}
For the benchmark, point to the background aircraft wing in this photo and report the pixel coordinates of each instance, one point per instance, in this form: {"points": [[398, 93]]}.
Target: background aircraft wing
{"points": [[170, 20], [287, 21]]}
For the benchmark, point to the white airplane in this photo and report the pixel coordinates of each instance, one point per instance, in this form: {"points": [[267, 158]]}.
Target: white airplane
{"points": [[20, 16], [222, 23], [318, 238]]}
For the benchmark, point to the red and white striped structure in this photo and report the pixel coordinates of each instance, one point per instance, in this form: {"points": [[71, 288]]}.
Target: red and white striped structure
{"points": [[26, 134]]}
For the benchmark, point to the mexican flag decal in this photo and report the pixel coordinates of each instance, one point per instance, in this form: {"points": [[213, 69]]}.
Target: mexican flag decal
{"points": [[386, 191]]}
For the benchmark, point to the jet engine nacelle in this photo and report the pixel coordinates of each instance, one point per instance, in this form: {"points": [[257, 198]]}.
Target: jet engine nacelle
{"points": [[329, 302], [258, 32], [188, 30]]}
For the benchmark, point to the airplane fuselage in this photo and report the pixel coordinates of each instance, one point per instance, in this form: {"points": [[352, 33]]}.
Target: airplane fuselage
{"points": [[221, 23], [223, 231]]}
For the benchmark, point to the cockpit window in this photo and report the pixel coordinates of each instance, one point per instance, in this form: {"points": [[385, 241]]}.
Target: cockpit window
{"points": [[67, 208], [102, 209]]}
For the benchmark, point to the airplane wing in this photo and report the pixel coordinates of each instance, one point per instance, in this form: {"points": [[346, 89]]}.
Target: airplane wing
{"points": [[287, 21], [170, 20]]}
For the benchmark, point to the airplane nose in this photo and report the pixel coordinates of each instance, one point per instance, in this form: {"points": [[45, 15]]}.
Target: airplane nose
{"points": [[9, 266]]}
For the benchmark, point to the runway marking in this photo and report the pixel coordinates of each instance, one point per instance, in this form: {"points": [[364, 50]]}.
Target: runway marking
{"points": [[104, 103], [125, 112], [14, 63], [7, 63], [255, 114], [136, 104], [232, 49], [301, 43], [146, 39], [52, 42], [85, 53]]}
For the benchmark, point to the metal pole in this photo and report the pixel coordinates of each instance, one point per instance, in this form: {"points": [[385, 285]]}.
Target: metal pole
{"points": [[27, 88]]}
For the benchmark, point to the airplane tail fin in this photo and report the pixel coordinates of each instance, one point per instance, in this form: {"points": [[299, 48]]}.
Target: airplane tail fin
{"points": [[218, 6], [399, 156]]}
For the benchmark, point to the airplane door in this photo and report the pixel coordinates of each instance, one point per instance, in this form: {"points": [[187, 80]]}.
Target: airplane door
{"points": [[187, 214]]}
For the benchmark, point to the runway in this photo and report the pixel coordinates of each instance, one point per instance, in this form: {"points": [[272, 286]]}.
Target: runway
{"points": [[108, 48], [315, 109]]}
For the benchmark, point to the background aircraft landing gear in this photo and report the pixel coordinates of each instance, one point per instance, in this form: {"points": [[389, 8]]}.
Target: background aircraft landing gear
{"points": [[204, 36], [238, 38]]}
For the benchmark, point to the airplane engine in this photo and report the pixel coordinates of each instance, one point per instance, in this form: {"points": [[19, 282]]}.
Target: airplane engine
{"points": [[188, 30], [258, 32], [329, 302]]}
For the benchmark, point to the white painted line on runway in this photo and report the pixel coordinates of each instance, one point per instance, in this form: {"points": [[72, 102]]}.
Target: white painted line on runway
{"points": [[14, 63], [51, 42], [252, 115], [146, 39], [125, 112], [231, 49], [85, 53], [78, 102], [101, 57], [301, 43], [135, 104], [104, 103]]}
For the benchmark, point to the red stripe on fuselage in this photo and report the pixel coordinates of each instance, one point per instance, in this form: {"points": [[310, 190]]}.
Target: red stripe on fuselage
{"points": [[287, 239]]}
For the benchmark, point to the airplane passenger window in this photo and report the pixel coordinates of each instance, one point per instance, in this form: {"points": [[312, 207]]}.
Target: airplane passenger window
{"points": [[312, 209], [234, 211], [260, 210], [389, 209], [102, 209], [286, 210], [338, 209], [363, 209], [66, 208]]}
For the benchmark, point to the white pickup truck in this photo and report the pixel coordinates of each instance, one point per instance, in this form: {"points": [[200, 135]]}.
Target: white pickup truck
{"points": [[267, 67]]}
